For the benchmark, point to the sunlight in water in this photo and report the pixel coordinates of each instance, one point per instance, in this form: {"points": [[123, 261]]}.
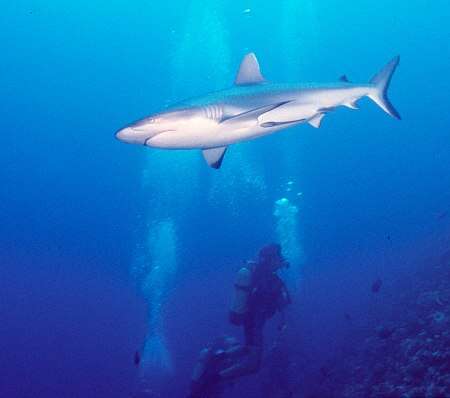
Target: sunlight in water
{"points": [[286, 215], [206, 45], [158, 267]]}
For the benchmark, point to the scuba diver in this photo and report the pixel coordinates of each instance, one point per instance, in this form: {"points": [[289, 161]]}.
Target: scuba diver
{"points": [[259, 294]]}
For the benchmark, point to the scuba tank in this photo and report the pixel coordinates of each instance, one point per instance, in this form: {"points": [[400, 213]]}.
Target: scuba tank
{"points": [[242, 291]]}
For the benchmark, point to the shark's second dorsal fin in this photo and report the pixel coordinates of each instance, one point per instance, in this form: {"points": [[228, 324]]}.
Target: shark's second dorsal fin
{"points": [[249, 71]]}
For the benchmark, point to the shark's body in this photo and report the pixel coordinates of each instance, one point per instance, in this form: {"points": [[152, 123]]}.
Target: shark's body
{"points": [[251, 108]]}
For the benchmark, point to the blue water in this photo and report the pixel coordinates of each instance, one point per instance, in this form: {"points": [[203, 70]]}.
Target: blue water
{"points": [[77, 207]]}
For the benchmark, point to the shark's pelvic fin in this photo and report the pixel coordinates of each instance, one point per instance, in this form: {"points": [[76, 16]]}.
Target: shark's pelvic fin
{"points": [[214, 156], [249, 71], [316, 120]]}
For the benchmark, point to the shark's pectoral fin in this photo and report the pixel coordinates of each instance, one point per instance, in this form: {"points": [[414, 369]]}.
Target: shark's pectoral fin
{"points": [[326, 110], [277, 124], [316, 120], [252, 115], [249, 71], [214, 156]]}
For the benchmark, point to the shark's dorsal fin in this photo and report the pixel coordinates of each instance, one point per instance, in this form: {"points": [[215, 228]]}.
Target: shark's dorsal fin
{"points": [[214, 156], [344, 79], [249, 71]]}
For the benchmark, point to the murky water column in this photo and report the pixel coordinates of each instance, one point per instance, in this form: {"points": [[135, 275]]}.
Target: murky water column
{"points": [[156, 261], [201, 54], [299, 30], [286, 227], [299, 56], [162, 244], [300, 35]]}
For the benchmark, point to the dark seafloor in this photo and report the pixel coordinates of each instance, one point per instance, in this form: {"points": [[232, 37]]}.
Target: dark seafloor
{"points": [[407, 353]]}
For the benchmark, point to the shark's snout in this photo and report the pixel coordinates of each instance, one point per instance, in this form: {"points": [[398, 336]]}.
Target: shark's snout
{"points": [[131, 135], [123, 134]]}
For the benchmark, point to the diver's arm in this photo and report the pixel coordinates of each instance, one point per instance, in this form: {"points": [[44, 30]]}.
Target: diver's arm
{"points": [[283, 322], [284, 298], [244, 365], [287, 295], [235, 352]]}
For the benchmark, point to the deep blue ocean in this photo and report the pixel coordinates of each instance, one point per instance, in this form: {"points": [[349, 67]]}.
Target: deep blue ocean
{"points": [[105, 246]]}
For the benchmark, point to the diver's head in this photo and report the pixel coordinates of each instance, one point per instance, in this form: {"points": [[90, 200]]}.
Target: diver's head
{"points": [[271, 258]]}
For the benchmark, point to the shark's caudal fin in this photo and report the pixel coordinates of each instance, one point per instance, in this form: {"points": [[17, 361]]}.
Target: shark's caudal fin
{"points": [[381, 82]]}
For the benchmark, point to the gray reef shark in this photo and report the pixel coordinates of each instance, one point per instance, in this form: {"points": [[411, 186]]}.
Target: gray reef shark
{"points": [[250, 109]]}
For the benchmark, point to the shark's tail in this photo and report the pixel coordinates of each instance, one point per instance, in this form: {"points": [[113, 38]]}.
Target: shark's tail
{"points": [[381, 84]]}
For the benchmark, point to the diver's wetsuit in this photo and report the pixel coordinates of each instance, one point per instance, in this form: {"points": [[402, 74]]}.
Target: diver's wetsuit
{"points": [[268, 296], [261, 293]]}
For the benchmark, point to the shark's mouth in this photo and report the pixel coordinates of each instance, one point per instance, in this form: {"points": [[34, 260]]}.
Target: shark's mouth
{"points": [[154, 135]]}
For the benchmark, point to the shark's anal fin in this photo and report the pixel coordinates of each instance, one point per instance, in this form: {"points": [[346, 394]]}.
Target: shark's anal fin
{"points": [[249, 71], [351, 105], [214, 156], [316, 120]]}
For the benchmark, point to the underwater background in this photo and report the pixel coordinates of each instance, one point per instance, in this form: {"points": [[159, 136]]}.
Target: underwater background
{"points": [[109, 248]]}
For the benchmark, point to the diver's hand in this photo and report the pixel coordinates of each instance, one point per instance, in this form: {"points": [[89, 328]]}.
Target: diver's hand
{"points": [[282, 327], [219, 354]]}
